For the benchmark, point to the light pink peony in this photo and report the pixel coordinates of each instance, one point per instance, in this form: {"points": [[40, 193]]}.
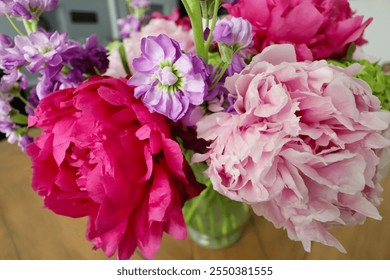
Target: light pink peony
{"points": [[303, 148], [102, 154], [154, 28], [318, 29]]}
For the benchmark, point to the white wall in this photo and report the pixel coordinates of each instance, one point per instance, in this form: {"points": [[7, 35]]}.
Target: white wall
{"points": [[378, 32]]}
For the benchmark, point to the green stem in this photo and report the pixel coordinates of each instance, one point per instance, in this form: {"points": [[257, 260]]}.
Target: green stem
{"points": [[17, 29], [214, 230], [27, 27], [213, 23], [199, 224], [24, 100], [187, 8], [129, 7], [194, 12], [205, 10], [223, 70], [216, 70], [34, 26], [225, 221], [122, 54], [97, 71], [192, 205], [2, 95]]}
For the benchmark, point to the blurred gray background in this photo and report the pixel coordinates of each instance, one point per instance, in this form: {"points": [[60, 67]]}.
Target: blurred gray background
{"points": [[83, 18]]}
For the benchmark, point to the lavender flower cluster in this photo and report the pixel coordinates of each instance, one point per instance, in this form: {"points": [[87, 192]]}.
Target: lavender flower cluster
{"points": [[26, 9], [57, 61]]}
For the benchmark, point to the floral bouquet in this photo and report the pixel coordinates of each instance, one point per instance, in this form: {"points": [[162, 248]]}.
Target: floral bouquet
{"points": [[262, 107]]}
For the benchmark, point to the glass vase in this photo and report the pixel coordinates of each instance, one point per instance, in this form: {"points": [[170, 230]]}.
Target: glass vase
{"points": [[214, 221]]}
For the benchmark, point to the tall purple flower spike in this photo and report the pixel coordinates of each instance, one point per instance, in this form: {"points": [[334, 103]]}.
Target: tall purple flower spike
{"points": [[167, 80]]}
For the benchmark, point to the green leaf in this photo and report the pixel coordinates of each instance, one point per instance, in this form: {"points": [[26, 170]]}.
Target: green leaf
{"points": [[214, 59], [350, 51], [19, 119], [21, 131], [197, 168]]}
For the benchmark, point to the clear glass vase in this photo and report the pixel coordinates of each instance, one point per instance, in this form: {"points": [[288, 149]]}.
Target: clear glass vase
{"points": [[214, 221]]}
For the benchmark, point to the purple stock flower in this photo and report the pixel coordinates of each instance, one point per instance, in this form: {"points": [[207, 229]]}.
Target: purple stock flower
{"points": [[128, 26], [27, 9], [5, 108], [10, 56], [235, 32], [167, 80], [6, 41], [43, 5], [90, 57], [61, 63], [33, 100], [7, 126], [238, 63], [41, 49], [23, 142], [48, 84], [9, 129], [14, 8]]}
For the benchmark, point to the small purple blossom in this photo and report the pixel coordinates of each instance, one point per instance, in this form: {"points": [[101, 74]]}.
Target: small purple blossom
{"points": [[5, 108], [167, 80], [11, 79], [235, 32], [48, 84], [90, 57], [33, 100], [10, 56], [61, 63], [27, 9], [140, 3], [7, 127], [6, 41], [41, 49], [128, 26], [237, 64], [24, 141]]}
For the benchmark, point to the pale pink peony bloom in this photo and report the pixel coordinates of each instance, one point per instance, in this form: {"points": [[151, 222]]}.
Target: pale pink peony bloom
{"points": [[303, 148], [154, 28]]}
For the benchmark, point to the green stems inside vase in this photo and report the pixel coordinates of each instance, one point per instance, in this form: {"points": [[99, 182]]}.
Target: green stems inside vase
{"points": [[215, 221]]}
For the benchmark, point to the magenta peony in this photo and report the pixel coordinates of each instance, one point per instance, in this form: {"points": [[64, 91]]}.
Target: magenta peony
{"points": [[102, 154], [303, 148], [318, 29]]}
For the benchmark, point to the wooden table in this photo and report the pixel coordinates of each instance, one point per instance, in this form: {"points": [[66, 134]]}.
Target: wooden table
{"points": [[28, 231]]}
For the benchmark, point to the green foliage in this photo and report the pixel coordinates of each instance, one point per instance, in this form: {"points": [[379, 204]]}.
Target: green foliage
{"points": [[197, 168], [373, 75], [19, 119]]}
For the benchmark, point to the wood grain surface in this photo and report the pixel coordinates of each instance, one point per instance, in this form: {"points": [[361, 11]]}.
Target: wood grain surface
{"points": [[30, 232]]}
